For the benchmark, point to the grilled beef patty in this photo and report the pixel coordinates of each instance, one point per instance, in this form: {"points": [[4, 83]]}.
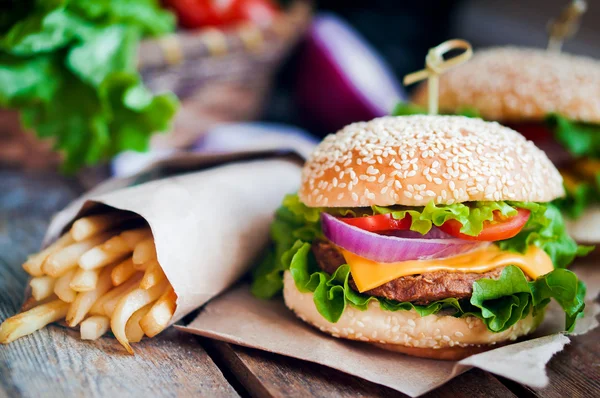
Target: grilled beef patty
{"points": [[419, 289]]}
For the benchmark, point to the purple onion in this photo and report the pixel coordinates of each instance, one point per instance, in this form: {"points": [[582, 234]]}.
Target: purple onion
{"points": [[390, 249], [434, 233], [341, 78]]}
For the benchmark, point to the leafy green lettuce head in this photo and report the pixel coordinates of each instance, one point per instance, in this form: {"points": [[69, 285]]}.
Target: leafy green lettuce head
{"points": [[70, 68]]}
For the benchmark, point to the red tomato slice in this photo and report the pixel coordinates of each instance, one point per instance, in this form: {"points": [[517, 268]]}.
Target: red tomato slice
{"points": [[378, 223], [499, 229]]}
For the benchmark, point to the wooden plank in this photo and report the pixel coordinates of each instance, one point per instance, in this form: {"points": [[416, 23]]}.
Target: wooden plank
{"points": [[269, 375], [575, 372], [53, 361], [474, 383]]}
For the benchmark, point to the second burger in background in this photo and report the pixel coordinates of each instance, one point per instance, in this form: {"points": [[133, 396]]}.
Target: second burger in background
{"points": [[427, 235], [551, 98]]}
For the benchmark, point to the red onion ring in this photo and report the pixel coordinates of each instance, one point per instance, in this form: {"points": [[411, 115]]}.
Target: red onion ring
{"points": [[434, 233], [390, 249]]}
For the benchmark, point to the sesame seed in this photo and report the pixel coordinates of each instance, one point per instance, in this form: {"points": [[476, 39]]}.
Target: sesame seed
{"points": [[372, 170], [450, 158]]}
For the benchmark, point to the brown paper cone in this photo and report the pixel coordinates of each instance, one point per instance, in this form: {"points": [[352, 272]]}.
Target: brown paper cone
{"points": [[208, 225]]}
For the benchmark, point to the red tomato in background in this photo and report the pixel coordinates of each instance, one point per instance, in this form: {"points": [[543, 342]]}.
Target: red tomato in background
{"points": [[260, 12], [194, 14], [499, 229]]}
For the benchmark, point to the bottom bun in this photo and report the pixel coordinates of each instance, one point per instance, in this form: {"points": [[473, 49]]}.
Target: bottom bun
{"points": [[435, 336], [586, 228], [455, 353]]}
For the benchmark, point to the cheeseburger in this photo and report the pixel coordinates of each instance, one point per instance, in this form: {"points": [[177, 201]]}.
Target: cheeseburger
{"points": [[432, 236], [551, 98]]}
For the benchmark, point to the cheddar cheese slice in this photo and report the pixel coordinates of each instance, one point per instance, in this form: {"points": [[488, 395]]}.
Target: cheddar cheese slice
{"points": [[370, 274]]}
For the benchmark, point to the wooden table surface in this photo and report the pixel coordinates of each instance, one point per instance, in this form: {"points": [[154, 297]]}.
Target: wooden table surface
{"points": [[55, 363]]}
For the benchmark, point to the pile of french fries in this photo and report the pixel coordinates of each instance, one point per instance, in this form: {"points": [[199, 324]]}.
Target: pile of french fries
{"points": [[97, 275]]}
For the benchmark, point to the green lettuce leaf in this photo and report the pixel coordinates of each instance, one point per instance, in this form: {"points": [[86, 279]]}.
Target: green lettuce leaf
{"points": [[70, 68], [472, 215], [576, 200], [147, 15], [498, 303], [545, 229], [288, 228], [408, 108], [580, 139]]}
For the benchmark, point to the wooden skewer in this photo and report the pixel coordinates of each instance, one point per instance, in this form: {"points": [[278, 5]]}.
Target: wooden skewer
{"points": [[435, 65]]}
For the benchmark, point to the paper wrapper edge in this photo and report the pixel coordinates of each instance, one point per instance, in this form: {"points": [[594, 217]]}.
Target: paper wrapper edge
{"points": [[207, 225]]}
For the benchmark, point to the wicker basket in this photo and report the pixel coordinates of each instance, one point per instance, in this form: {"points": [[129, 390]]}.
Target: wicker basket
{"points": [[218, 75]]}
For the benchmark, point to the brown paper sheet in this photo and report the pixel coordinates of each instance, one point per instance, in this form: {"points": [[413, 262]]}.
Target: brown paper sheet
{"points": [[239, 318], [208, 225]]}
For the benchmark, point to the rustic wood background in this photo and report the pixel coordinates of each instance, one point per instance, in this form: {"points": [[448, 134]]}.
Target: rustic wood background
{"points": [[55, 363]]}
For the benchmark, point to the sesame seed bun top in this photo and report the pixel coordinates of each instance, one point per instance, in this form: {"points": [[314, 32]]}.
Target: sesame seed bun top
{"points": [[511, 84], [413, 160]]}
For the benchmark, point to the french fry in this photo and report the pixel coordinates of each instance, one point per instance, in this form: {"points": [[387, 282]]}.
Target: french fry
{"points": [[109, 305], [110, 251], [85, 280], [116, 248], [157, 319], [135, 236], [63, 289], [144, 251], [153, 275], [31, 302], [33, 265], [42, 287], [76, 279], [86, 227], [128, 305], [94, 327], [67, 258], [116, 244], [143, 266], [29, 321], [84, 301], [122, 272], [133, 330], [98, 307]]}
